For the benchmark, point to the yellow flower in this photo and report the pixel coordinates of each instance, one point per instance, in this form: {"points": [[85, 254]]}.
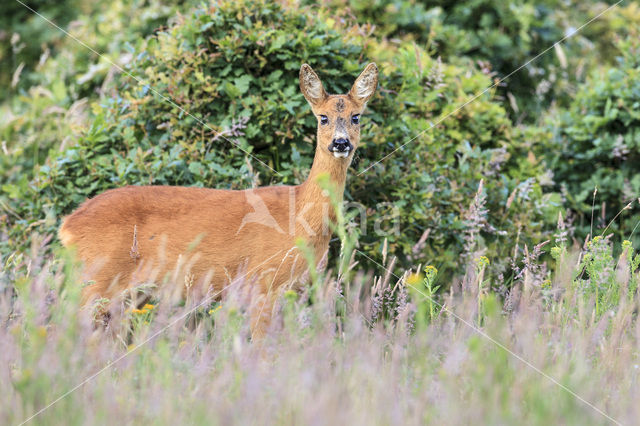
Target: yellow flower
{"points": [[214, 310], [138, 311], [291, 294], [626, 244], [593, 242], [42, 331], [414, 279], [430, 269], [482, 262], [149, 307]]}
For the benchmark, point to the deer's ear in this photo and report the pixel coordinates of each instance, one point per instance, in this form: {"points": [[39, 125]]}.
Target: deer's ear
{"points": [[365, 85], [311, 86]]}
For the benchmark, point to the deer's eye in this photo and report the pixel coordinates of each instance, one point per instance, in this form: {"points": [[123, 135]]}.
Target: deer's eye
{"points": [[324, 119], [355, 119]]}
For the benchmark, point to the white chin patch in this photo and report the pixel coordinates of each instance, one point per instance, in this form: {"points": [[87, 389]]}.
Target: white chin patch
{"points": [[344, 154]]}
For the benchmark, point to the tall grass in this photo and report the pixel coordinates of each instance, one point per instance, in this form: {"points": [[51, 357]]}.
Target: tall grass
{"points": [[370, 349]]}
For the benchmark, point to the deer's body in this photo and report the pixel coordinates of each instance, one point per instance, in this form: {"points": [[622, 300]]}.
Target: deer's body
{"points": [[140, 234]]}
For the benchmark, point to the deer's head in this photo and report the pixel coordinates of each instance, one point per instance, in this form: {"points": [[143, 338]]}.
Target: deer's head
{"points": [[338, 115]]}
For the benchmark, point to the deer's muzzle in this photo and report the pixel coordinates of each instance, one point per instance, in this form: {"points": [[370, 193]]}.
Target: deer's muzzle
{"points": [[340, 147]]}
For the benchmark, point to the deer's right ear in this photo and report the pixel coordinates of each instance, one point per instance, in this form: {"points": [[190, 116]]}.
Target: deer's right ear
{"points": [[311, 86]]}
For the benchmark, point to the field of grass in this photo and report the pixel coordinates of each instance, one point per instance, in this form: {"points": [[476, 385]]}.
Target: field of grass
{"points": [[483, 270], [353, 349]]}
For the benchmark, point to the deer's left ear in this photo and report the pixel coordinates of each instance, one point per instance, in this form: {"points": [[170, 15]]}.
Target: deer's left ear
{"points": [[365, 85]]}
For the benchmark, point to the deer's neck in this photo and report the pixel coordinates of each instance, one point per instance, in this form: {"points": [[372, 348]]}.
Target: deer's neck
{"points": [[336, 171], [313, 203]]}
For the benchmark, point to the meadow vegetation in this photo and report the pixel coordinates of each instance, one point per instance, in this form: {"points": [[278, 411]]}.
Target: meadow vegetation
{"points": [[507, 293]]}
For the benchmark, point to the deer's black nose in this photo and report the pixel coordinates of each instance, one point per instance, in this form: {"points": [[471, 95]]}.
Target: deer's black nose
{"points": [[340, 145]]}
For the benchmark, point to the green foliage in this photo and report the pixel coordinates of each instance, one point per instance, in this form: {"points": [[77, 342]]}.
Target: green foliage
{"points": [[430, 184], [234, 68], [423, 292], [49, 109], [52, 107], [597, 144], [243, 86], [22, 36], [602, 280], [456, 187], [468, 179], [503, 35]]}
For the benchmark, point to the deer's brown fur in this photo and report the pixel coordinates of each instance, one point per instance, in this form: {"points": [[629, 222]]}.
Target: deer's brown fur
{"points": [[138, 234]]}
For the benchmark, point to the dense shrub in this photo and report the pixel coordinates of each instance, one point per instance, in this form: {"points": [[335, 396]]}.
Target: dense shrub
{"points": [[24, 36], [50, 107], [53, 105], [598, 145], [208, 65], [235, 65], [431, 184], [504, 36]]}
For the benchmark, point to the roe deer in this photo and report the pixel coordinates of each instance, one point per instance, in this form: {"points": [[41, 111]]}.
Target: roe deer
{"points": [[138, 234]]}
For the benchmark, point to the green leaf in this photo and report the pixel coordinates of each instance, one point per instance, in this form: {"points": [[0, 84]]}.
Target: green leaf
{"points": [[242, 83]]}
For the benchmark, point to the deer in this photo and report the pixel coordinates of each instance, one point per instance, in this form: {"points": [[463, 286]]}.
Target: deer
{"points": [[139, 234]]}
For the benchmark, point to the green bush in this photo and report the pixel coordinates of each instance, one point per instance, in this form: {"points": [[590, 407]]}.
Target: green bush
{"points": [[598, 145], [50, 106], [24, 37], [432, 182], [504, 36], [229, 65], [235, 66]]}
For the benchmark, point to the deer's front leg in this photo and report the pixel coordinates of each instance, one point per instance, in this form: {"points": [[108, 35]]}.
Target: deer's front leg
{"points": [[260, 313]]}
